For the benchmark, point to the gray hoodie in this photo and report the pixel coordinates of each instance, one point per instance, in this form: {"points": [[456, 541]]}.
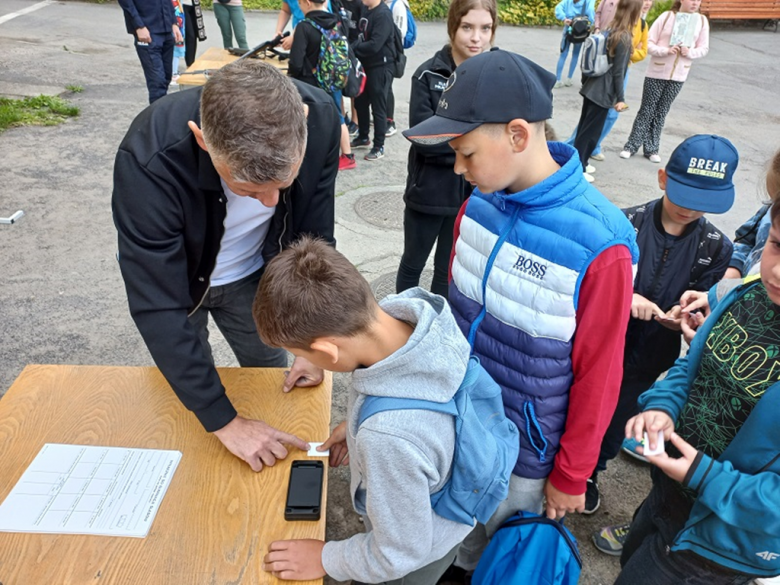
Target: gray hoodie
{"points": [[399, 458]]}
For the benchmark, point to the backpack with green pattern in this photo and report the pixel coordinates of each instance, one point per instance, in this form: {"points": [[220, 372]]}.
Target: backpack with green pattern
{"points": [[333, 64]]}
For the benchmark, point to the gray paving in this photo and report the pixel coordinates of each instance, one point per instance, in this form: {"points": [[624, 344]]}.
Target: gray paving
{"points": [[62, 299]]}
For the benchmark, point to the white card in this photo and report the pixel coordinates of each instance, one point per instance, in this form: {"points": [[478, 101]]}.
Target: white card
{"points": [[313, 450], [659, 447]]}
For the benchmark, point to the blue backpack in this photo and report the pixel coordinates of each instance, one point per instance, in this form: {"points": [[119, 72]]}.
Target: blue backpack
{"points": [[528, 548], [411, 26], [486, 445]]}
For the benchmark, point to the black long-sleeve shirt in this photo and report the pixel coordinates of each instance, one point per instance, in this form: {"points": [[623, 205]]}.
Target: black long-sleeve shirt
{"points": [[305, 51], [375, 45]]}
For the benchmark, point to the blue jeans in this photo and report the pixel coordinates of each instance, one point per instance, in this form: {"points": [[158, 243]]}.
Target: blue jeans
{"points": [[646, 558], [575, 56], [612, 117], [230, 306], [157, 62]]}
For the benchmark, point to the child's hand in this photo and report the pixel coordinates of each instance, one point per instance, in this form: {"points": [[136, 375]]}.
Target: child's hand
{"points": [[672, 319], [337, 443], [295, 560], [677, 469], [694, 299], [689, 325], [302, 374], [643, 309], [650, 421], [567, 21], [558, 503], [684, 51], [620, 106], [675, 50]]}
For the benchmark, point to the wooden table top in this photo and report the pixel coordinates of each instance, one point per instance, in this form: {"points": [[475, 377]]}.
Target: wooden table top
{"points": [[213, 59], [218, 516]]}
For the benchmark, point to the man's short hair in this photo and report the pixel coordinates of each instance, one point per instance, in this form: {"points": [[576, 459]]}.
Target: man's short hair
{"points": [[253, 121], [310, 291]]}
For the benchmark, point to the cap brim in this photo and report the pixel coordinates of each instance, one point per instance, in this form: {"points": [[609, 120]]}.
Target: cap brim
{"points": [[706, 200], [438, 130]]}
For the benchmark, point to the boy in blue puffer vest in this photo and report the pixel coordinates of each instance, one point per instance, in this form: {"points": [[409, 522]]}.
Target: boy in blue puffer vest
{"points": [[539, 255], [713, 515]]}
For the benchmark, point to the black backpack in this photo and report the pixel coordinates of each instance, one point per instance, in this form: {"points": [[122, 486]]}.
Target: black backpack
{"points": [[399, 64], [579, 30]]}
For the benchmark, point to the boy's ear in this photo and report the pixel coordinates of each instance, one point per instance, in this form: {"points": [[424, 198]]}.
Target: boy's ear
{"points": [[662, 179], [329, 348], [520, 133]]}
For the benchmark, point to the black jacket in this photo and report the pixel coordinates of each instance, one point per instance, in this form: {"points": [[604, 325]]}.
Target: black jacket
{"points": [[375, 46], [668, 266], [169, 209], [431, 183], [156, 15], [305, 52]]}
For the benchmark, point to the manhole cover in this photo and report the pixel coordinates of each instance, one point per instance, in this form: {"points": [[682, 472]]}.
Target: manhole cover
{"points": [[384, 209], [385, 284]]}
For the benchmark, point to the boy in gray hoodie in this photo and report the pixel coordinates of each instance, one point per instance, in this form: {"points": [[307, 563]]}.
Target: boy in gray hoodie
{"points": [[314, 303]]}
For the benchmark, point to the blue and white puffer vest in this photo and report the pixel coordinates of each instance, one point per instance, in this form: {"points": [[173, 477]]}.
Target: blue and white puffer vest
{"points": [[519, 261]]}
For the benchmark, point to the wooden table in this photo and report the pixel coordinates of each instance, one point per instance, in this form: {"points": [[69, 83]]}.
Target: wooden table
{"points": [[218, 516], [213, 59]]}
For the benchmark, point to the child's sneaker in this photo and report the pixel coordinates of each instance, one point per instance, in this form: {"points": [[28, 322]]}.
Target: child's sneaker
{"points": [[599, 157], [592, 496], [360, 143], [375, 154], [590, 169], [653, 158], [588, 177], [346, 162], [353, 129], [568, 82], [558, 84], [626, 154], [391, 129], [611, 539], [630, 446]]}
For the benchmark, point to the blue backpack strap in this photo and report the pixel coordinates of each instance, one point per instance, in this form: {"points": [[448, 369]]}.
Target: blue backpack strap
{"points": [[376, 404], [522, 518]]}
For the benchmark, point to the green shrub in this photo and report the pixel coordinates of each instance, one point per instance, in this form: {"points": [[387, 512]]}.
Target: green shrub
{"points": [[658, 8]]}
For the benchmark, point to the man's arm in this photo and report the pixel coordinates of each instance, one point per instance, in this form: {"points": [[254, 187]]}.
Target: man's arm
{"points": [[129, 7], [597, 363]]}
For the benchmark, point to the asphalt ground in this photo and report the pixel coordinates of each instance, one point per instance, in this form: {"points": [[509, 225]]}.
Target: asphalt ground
{"points": [[62, 299]]}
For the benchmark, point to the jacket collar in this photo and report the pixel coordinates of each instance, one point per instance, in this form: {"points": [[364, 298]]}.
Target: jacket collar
{"points": [[208, 177], [442, 61]]}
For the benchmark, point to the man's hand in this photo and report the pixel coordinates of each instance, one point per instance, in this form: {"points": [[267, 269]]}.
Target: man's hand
{"points": [[650, 421], [295, 560], [302, 374], [643, 309], [677, 469], [559, 503], [337, 443], [256, 442], [143, 35], [177, 38]]}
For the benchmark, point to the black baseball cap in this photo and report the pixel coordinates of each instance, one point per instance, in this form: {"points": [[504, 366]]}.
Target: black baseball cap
{"points": [[495, 87], [700, 174]]}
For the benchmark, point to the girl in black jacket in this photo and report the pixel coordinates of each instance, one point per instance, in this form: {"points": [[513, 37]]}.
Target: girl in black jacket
{"points": [[600, 94], [434, 193]]}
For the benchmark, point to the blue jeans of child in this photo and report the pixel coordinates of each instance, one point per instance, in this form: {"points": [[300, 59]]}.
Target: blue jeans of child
{"points": [[157, 62], [647, 558], [575, 56], [612, 117]]}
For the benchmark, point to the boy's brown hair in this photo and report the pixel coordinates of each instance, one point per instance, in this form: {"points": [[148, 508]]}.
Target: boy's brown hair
{"points": [[311, 291]]}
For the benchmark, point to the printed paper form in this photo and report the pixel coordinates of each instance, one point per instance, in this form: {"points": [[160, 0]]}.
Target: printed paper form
{"points": [[78, 489]]}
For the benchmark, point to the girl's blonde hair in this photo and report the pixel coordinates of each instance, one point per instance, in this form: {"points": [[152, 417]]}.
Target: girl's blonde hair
{"points": [[460, 8], [621, 29]]}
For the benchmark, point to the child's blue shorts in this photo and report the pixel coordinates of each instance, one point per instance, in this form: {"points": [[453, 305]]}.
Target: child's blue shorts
{"points": [[336, 95]]}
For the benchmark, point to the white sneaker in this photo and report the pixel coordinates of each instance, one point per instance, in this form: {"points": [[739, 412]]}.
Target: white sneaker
{"points": [[558, 85], [588, 178], [590, 169], [568, 82], [654, 158], [599, 157], [626, 154]]}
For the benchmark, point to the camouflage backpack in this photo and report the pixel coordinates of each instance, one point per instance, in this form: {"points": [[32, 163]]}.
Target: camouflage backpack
{"points": [[333, 64]]}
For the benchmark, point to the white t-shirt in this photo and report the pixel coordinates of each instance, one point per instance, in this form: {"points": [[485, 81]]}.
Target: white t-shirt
{"points": [[246, 226]]}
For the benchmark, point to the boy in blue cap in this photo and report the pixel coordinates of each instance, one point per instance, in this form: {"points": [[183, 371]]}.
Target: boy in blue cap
{"points": [[713, 515], [679, 250], [539, 256]]}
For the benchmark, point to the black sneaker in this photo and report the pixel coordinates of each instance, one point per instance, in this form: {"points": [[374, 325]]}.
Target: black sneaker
{"points": [[360, 143], [375, 154], [592, 496], [391, 129], [353, 129], [455, 576], [611, 539]]}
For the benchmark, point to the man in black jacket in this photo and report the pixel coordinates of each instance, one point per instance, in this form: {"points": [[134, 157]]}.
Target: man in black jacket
{"points": [[209, 185]]}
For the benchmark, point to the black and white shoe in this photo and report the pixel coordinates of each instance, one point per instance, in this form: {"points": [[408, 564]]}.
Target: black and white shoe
{"points": [[375, 154], [592, 496]]}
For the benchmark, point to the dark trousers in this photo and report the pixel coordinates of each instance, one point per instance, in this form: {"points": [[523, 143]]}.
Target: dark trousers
{"points": [[647, 558], [390, 102], [592, 120], [191, 34], [421, 231], [378, 79], [157, 62], [657, 98], [630, 389], [230, 306]]}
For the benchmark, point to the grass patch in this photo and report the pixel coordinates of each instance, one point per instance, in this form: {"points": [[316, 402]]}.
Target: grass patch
{"points": [[43, 110], [74, 88]]}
